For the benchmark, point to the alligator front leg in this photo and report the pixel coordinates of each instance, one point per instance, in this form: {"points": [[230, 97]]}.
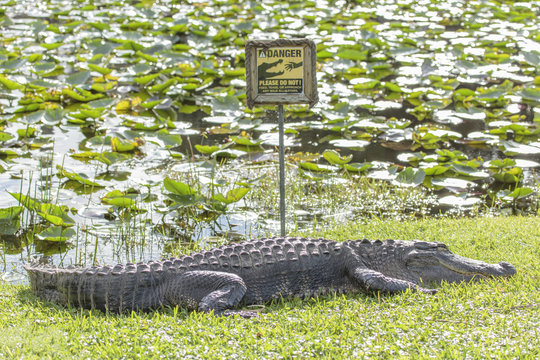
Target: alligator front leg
{"points": [[375, 281], [207, 291]]}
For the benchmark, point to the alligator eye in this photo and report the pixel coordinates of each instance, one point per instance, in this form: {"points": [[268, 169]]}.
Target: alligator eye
{"points": [[422, 260], [442, 247], [424, 245], [419, 258]]}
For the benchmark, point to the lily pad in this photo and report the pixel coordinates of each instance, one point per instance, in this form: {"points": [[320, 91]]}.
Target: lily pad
{"points": [[453, 184], [509, 176], [56, 233], [9, 84], [459, 201], [5, 136], [169, 140], [123, 88], [178, 188], [80, 178], [316, 167], [119, 199], [334, 158], [514, 148], [10, 220], [232, 196], [121, 145], [206, 149], [10, 213], [358, 167], [532, 94], [351, 144], [78, 78], [410, 177], [435, 170], [55, 214], [242, 140], [520, 193]]}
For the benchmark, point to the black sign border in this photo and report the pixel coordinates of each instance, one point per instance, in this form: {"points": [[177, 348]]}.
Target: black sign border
{"points": [[309, 96]]}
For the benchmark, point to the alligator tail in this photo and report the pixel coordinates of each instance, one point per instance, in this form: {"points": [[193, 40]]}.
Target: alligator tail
{"points": [[43, 282], [115, 289]]}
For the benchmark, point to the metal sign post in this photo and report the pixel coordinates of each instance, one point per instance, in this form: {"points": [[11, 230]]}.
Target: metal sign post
{"points": [[281, 72], [281, 170]]}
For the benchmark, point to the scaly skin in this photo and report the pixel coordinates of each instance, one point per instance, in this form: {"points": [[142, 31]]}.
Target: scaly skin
{"points": [[258, 271]]}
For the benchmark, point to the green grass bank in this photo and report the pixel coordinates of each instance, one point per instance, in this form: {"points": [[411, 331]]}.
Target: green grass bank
{"points": [[491, 319]]}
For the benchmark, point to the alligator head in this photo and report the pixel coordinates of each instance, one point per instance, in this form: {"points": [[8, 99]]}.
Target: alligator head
{"points": [[435, 263]]}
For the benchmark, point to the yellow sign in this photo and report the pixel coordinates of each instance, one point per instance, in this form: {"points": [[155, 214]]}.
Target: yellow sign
{"points": [[280, 70]]}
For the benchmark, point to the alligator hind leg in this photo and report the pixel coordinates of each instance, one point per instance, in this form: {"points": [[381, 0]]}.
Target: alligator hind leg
{"points": [[372, 280], [207, 291]]}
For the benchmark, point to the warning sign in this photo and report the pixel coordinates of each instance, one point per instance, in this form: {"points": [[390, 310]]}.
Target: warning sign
{"points": [[280, 70]]}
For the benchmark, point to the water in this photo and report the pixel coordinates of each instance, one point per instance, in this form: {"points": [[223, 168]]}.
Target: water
{"points": [[401, 85]]}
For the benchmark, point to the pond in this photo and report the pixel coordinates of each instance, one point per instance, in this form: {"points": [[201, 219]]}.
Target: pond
{"points": [[124, 134]]}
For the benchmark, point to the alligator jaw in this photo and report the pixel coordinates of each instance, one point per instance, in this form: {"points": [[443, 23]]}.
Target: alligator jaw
{"points": [[470, 270], [437, 264]]}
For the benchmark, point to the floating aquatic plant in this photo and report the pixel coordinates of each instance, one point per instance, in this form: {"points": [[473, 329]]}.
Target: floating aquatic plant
{"points": [[99, 100]]}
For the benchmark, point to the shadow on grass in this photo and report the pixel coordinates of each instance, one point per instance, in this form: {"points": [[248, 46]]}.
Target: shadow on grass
{"points": [[27, 298]]}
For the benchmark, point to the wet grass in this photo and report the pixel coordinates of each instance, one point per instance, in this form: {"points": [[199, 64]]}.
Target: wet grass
{"points": [[491, 319]]}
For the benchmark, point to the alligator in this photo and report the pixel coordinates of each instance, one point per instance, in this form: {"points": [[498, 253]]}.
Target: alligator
{"points": [[256, 272]]}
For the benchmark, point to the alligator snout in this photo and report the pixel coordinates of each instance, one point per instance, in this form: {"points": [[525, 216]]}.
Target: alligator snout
{"points": [[507, 269]]}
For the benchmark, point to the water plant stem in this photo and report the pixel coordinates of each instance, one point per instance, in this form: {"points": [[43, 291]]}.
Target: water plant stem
{"points": [[281, 171]]}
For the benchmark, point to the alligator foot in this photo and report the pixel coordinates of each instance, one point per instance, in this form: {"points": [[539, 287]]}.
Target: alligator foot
{"points": [[205, 290], [375, 281]]}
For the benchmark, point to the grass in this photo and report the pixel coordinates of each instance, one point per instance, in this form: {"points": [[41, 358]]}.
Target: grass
{"points": [[491, 319], [351, 194]]}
